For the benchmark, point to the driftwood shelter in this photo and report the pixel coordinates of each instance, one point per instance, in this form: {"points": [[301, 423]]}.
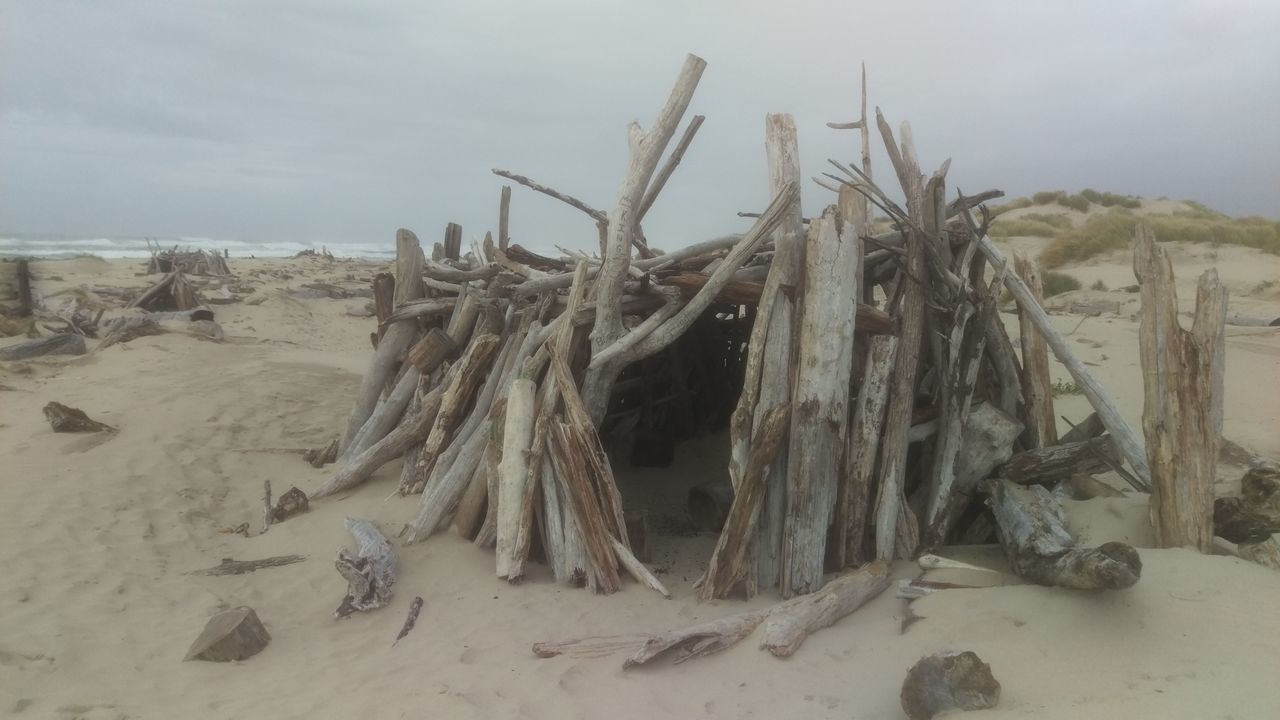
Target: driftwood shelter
{"points": [[875, 407]]}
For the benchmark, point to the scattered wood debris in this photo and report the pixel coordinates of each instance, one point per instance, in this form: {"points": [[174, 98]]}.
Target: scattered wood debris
{"points": [[61, 344], [414, 608], [370, 573], [229, 566]]}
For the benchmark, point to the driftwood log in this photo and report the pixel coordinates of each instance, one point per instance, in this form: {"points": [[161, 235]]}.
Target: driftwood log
{"points": [[1182, 375], [787, 624], [1032, 528], [1049, 465], [63, 344], [370, 573]]}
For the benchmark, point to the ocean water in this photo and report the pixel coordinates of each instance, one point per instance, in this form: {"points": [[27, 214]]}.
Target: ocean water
{"points": [[65, 246]]}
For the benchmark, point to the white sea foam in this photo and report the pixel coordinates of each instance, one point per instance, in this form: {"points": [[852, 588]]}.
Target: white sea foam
{"points": [[64, 246]]}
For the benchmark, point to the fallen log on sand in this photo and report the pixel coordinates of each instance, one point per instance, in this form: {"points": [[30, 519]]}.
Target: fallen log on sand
{"points": [[370, 573], [786, 625], [1033, 531]]}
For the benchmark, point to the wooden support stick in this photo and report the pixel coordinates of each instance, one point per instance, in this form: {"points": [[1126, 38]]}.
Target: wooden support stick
{"points": [[1037, 390], [504, 218], [1180, 373], [863, 446], [660, 180]]}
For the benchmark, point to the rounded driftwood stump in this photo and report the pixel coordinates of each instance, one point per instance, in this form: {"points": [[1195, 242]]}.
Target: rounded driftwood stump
{"points": [[948, 681]]}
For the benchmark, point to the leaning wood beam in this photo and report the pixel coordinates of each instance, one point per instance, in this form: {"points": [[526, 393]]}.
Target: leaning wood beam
{"points": [[948, 495], [387, 358], [824, 361], [1037, 390], [513, 470], [411, 431], [386, 415], [438, 271], [1049, 465], [729, 564], [594, 214], [567, 447], [472, 367], [1033, 531], [599, 378], [646, 148], [862, 448], [1102, 401], [636, 569], [1179, 375], [769, 353], [890, 503], [442, 494], [660, 180]]}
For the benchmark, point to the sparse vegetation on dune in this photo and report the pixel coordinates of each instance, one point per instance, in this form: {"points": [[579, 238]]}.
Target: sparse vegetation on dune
{"points": [[1107, 199], [1056, 283], [1021, 227], [1114, 231], [1014, 204]]}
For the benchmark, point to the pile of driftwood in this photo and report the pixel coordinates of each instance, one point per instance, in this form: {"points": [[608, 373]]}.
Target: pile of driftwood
{"points": [[192, 262], [876, 406]]}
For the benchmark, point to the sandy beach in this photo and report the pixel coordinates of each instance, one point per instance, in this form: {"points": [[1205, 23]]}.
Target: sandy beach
{"points": [[99, 534]]}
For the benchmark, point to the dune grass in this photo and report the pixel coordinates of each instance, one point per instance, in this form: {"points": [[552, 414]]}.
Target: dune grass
{"points": [[1056, 283], [1015, 204], [1020, 227], [1108, 199], [1114, 230]]}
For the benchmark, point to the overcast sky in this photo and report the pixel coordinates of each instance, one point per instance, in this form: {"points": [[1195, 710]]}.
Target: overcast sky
{"points": [[324, 121]]}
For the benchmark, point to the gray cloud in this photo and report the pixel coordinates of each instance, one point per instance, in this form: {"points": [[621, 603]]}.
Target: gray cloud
{"points": [[328, 121]]}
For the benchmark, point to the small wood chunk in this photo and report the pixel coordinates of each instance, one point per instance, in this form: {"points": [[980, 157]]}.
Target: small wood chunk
{"points": [[68, 419], [370, 573], [1265, 553], [415, 607], [948, 681], [62, 344], [323, 455], [1260, 487], [1236, 520], [236, 634], [293, 502]]}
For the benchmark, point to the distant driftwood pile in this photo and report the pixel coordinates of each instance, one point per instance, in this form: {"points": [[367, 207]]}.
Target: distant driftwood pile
{"points": [[876, 407]]}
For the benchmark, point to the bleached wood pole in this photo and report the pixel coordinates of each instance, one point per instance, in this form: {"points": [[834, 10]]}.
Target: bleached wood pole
{"points": [[730, 561], [669, 167], [504, 218], [412, 430], [387, 358], [513, 470], [1037, 387], [893, 453], [820, 411], [791, 622], [769, 352], [863, 445], [1178, 379], [646, 148], [1105, 405]]}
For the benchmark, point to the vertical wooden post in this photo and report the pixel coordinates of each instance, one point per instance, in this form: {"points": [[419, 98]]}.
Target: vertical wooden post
{"points": [[1037, 389], [820, 404], [504, 218], [767, 377], [1179, 375]]}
